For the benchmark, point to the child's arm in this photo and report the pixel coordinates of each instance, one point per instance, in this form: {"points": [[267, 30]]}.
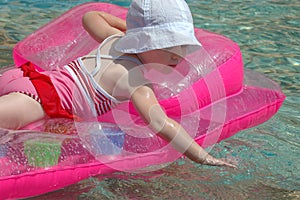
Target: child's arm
{"points": [[101, 25], [147, 105]]}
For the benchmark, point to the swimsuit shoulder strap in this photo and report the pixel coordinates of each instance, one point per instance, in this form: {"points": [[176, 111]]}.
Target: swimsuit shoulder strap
{"points": [[99, 56]]}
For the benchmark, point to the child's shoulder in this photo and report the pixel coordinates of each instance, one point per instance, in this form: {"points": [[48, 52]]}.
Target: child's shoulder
{"points": [[121, 78]]}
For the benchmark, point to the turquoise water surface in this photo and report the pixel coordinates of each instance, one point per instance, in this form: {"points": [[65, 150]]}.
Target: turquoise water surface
{"points": [[269, 165]]}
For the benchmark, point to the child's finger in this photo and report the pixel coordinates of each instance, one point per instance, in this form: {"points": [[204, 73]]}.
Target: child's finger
{"points": [[228, 164]]}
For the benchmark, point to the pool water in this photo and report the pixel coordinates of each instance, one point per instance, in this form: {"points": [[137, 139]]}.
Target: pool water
{"points": [[268, 33]]}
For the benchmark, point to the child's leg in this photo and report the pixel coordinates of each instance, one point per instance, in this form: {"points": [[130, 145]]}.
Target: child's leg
{"points": [[18, 110]]}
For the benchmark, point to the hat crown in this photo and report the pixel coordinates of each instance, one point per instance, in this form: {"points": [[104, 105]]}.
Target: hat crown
{"points": [[151, 13]]}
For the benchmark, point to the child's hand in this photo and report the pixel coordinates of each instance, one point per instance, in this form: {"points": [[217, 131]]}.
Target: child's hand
{"points": [[209, 160]]}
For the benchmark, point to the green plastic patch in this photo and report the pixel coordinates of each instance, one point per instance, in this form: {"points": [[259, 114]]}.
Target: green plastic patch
{"points": [[42, 153]]}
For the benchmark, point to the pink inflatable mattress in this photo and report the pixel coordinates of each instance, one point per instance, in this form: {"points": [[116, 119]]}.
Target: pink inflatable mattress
{"points": [[215, 99]]}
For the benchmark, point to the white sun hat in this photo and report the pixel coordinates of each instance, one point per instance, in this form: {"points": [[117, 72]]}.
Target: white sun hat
{"points": [[157, 24]]}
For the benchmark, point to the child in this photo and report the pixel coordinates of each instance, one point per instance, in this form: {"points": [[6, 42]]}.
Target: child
{"points": [[157, 31]]}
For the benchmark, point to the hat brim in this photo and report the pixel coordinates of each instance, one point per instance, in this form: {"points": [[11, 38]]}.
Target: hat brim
{"points": [[144, 39]]}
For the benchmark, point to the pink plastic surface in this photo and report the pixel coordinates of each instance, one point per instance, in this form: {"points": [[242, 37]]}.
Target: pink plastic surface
{"points": [[212, 109]]}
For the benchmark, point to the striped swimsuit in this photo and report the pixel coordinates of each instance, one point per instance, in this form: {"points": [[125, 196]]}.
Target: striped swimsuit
{"points": [[69, 92], [98, 99]]}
